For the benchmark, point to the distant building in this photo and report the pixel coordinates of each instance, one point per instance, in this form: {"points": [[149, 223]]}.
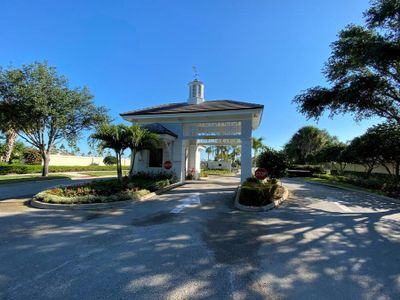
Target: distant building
{"points": [[186, 127]]}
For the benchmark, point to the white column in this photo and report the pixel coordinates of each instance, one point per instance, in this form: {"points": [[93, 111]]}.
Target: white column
{"points": [[246, 151], [193, 157]]}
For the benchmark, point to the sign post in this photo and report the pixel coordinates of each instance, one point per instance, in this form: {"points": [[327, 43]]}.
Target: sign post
{"points": [[167, 164]]}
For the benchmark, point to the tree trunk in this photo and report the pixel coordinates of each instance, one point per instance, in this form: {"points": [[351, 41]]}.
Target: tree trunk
{"points": [[46, 161], [133, 157], [369, 171], [119, 170], [11, 136], [397, 171], [342, 166], [387, 168]]}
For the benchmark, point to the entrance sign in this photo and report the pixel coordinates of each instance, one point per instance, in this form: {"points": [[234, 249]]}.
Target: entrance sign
{"points": [[261, 173], [167, 164]]}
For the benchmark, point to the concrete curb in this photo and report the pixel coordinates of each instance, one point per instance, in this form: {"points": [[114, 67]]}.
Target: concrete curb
{"points": [[267, 207], [116, 204], [381, 197]]}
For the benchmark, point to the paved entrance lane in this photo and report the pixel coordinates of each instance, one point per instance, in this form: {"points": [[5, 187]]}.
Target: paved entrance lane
{"points": [[310, 248], [320, 250], [27, 189]]}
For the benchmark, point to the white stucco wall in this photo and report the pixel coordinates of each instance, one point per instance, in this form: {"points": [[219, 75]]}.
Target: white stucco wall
{"points": [[71, 160], [221, 165], [173, 153]]}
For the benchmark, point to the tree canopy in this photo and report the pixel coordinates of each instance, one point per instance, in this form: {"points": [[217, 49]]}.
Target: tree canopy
{"points": [[112, 137], [307, 141], [257, 144], [275, 162], [363, 70], [121, 137], [335, 154], [139, 139], [45, 110], [387, 143]]}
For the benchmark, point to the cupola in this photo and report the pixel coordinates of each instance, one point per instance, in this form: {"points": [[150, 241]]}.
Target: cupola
{"points": [[196, 92]]}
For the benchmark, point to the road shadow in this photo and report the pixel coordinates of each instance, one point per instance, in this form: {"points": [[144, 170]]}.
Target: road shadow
{"points": [[209, 251]]}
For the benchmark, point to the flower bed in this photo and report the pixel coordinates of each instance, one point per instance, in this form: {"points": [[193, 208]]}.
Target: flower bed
{"points": [[103, 191], [257, 193]]}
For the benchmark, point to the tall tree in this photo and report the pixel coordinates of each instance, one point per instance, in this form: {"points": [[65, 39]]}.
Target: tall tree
{"points": [[7, 97], [362, 150], [387, 143], [257, 144], [139, 139], [113, 137], [209, 151], [235, 152], [363, 70], [307, 141], [335, 154], [46, 110], [221, 153]]}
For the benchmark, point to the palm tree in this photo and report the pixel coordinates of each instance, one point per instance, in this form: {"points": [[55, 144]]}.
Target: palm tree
{"points": [[138, 139], [221, 152], [257, 144], [235, 152], [11, 137], [7, 97], [209, 151], [113, 137]]}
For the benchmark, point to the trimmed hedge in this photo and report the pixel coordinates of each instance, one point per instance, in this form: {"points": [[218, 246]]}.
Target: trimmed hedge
{"points": [[25, 169], [312, 169]]}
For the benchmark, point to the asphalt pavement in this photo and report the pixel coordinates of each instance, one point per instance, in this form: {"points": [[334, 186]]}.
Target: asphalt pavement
{"points": [[190, 243], [17, 190]]}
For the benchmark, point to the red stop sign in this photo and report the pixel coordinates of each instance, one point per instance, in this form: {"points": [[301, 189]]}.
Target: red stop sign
{"points": [[261, 173], [167, 164]]}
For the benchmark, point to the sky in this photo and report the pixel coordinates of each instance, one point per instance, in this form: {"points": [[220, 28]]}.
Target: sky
{"points": [[134, 54]]}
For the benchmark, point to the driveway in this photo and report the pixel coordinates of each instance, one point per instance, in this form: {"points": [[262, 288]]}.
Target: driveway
{"points": [[190, 243]]}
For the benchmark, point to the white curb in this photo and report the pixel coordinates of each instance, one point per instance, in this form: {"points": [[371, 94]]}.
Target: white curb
{"points": [[115, 204]]}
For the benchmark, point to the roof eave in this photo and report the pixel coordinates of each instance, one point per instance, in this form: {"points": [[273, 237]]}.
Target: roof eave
{"points": [[256, 115]]}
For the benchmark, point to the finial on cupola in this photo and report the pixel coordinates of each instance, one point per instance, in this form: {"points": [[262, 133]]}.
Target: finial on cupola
{"points": [[196, 89]]}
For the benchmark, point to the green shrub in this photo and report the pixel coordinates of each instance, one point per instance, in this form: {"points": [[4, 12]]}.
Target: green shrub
{"points": [[252, 180], [313, 169], [257, 194], [102, 191], [203, 173], [217, 172], [110, 160], [25, 168], [275, 162], [32, 157], [162, 175], [48, 197]]}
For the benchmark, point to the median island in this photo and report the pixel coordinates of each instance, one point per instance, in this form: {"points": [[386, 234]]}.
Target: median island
{"points": [[110, 190]]}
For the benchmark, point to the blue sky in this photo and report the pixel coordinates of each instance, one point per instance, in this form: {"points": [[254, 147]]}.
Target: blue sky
{"points": [[133, 54]]}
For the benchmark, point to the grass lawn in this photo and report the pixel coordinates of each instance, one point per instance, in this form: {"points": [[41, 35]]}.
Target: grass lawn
{"points": [[333, 182], [12, 179], [218, 172], [104, 173]]}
